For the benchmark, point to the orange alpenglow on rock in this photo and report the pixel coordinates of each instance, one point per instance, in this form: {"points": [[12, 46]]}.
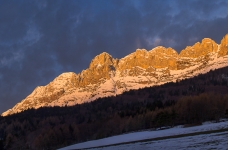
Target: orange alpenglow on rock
{"points": [[107, 76], [200, 49], [99, 68], [223, 47], [159, 57]]}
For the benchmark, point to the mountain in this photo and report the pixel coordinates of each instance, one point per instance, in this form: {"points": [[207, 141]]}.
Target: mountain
{"points": [[108, 76]]}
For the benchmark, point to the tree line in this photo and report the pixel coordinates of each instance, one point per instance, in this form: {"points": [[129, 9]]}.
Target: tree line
{"points": [[188, 102]]}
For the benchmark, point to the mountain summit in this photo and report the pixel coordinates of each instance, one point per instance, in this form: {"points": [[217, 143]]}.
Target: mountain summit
{"points": [[107, 76]]}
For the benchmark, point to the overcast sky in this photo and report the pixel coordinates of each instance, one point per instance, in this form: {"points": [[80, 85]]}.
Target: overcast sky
{"points": [[40, 39]]}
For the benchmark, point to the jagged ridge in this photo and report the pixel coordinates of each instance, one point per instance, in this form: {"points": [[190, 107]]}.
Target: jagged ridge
{"points": [[107, 76]]}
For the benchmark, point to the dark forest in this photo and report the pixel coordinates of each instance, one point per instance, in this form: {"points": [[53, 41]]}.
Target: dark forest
{"points": [[188, 102]]}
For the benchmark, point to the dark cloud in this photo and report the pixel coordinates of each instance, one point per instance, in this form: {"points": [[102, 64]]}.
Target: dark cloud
{"points": [[41, 39]]}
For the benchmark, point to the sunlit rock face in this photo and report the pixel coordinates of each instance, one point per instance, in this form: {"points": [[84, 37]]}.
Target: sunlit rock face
{"points": [[44, 95], [200, 49], [99, 68], [223, 47], [108, 76], [199, 52], [143, 61]]}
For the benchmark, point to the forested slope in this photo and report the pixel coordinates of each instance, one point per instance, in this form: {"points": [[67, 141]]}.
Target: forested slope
{"points": [[189, 102]]}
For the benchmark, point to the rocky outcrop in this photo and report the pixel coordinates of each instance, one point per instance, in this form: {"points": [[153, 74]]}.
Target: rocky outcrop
{"points": [[164, 57], [99, 68], [223, 47], [107, 76], [159, 57], [200, 49], [44, 95], [199, 52]]}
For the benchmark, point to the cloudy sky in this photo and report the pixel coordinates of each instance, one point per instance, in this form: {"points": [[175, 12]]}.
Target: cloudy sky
{"points": [[40, 39]]}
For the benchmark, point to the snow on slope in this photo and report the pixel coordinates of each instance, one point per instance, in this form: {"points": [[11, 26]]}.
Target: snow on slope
{"points": [[206, 141], [107, 76], [117, 84], [136, 136], [108, 88]]}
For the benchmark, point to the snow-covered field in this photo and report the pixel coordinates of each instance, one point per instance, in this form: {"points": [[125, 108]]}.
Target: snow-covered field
{"points": [[205, 141]]}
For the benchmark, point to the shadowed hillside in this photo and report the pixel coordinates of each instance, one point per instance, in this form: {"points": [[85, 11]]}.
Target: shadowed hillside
{"points": [[188, 101]]}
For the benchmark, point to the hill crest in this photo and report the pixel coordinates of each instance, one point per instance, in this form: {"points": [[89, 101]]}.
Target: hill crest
{"points": [[108, 76]]}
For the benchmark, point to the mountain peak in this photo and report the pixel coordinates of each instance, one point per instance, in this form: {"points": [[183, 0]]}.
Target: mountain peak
{"points": [[164, 51], [107, 76], [224, 46], [226, 37], [104, 54], [141, 50], [200, 49], [102, 59]]}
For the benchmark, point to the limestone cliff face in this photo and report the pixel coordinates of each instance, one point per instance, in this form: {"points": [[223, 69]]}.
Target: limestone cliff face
{"points": [[223, 47], [43, 95], [200, 49], [99, 68], [62, 84], [159, 57], [199, 52], [107, 76], [164, 57]]}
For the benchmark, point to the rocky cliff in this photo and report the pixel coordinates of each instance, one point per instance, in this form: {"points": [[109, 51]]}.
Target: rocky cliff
{"points": [[223, 47], [107, 76], [204, 48]]}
